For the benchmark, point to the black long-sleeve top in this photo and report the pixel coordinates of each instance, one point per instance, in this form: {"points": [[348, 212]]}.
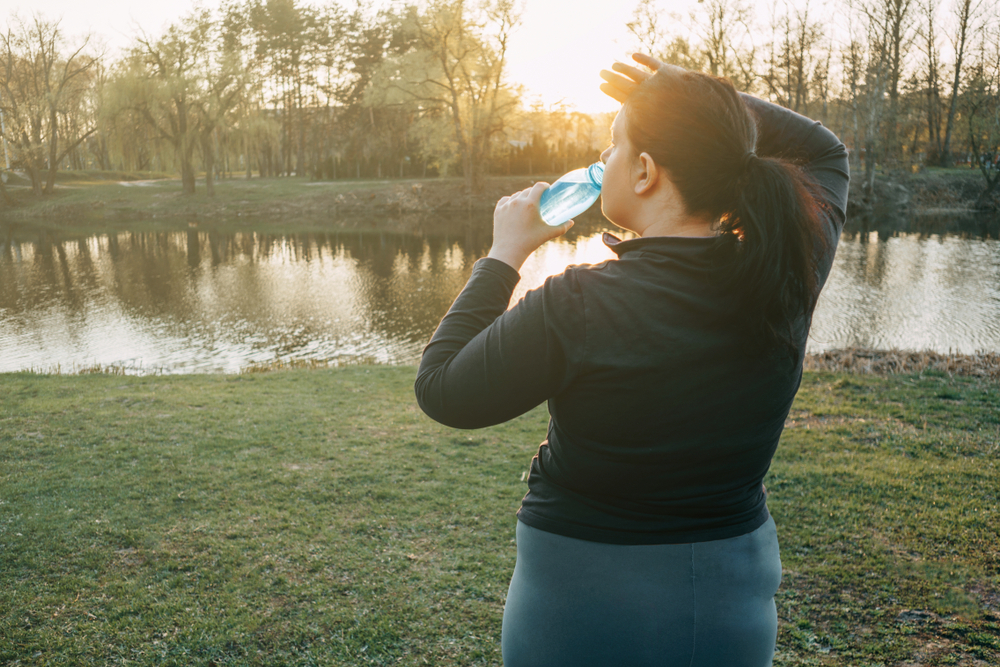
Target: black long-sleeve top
{"points": [[661, 426]]}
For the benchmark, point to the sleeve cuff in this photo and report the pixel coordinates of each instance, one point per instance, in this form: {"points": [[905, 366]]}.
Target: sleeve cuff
{"points": [[505, 271]]}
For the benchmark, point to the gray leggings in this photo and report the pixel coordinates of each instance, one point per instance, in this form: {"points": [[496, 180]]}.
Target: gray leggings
{"points": [[578, 603]]}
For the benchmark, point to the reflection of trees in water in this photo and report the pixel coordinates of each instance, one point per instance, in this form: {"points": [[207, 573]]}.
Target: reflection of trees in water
{"points": [[912, 291], [852, 304], [280, 292], [408, 282], [312, 294], [888, 223], [874, 262], [48, 272]]}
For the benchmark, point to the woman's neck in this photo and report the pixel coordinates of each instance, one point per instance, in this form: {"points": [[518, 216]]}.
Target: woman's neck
{"points": [[668, 218], [692, 227]]}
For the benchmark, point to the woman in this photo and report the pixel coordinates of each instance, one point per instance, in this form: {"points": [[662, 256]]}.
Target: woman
{"points": [[644, 538]]}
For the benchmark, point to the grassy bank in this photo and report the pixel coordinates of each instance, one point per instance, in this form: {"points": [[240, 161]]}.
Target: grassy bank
{"points": [[86, 199], [317, 517], [101, 198], [931, 191]]}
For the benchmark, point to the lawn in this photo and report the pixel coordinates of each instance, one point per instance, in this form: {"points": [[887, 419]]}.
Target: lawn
{"points": [[99, 199], [317, 517], [84, 200]]}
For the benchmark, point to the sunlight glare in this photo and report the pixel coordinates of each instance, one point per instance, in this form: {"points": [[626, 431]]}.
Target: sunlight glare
{"points": [[553, 258]]}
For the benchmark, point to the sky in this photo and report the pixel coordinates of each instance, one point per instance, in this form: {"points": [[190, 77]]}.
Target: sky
{"points": [[556, 53]]}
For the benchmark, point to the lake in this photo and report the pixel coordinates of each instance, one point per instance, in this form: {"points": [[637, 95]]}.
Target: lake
{"points": [[194, 301]]}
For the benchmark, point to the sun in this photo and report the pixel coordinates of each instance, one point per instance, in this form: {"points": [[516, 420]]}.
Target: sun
{"points": [[561, 46]]}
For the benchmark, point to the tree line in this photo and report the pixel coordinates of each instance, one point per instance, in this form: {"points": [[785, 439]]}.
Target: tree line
{"points": [[269, 88], [905, 83]]}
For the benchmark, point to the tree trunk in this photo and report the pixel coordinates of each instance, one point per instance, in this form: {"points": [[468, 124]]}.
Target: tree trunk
{"points": [[933, 130], [963, 25], [209, 168], [300, 158], [467, 172], [36, 178], [187, 173], [3, 192], [985, 199], [899, 9], [246, 153], [870, 172]]}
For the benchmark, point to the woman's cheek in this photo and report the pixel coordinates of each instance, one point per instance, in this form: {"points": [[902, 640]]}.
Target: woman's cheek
{"points": [[609, 200]]}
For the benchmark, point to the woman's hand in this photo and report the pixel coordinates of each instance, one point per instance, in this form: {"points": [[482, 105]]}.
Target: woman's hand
{"points": [[619, 87], [518, 229]]}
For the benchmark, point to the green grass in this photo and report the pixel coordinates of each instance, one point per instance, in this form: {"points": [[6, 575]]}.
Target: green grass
{"points": [[308, 517], [98, 198], [86, 198]]}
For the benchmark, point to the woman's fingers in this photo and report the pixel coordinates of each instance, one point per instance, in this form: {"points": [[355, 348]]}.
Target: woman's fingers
{"points": [[624, 77], [634, 73], [620, 87], [614, 93], [536, 190], [648, 60], [518, 229], [654, 64], [617, 86]]}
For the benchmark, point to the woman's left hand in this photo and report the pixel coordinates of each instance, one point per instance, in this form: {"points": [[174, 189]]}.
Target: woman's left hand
{"points": [[518, 229], [620, 87]]}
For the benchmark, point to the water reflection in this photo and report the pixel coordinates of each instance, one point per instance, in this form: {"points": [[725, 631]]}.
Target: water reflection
{"points": [[204, 301], [196, 301], [912, 291]]}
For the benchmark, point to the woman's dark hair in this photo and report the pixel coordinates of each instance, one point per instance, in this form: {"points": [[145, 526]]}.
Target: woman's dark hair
{"points": [[699, 130]]}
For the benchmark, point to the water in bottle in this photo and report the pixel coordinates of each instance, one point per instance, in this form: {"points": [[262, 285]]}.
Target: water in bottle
{"points": [[572, 194]]}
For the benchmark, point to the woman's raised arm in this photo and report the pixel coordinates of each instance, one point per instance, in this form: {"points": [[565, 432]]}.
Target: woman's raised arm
{"points": [[781, 133]]}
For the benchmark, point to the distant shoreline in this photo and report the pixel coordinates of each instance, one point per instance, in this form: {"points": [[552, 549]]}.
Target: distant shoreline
{"points": [[91, 199], [406, 204], [866, 361], [854, 360]]}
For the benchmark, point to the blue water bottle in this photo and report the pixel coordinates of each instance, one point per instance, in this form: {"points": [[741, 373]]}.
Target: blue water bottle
{"points": [[572, 194]]}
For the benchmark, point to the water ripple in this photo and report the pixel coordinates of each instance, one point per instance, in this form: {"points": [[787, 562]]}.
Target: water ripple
{"points": [[192, 301]]}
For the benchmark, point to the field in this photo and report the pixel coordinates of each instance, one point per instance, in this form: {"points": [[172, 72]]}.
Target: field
{"points": [[317, 517], [97, 199]]}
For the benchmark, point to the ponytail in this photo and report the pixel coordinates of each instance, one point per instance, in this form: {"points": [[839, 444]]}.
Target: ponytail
{"points": [[774, 227], [697, 127]]}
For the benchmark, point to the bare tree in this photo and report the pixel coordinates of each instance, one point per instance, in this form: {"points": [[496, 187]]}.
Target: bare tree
{"points": [[222, 86], [456, 65], [726, 40], [854, 68], [932, 77], [646, 27], [867, 69], [981, 112], [792, 58], [899, 34], [41, 83], [967, 20], [164, 88]]}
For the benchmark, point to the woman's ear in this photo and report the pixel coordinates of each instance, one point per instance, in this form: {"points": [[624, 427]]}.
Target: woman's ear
{"points": [[647, 175]]}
